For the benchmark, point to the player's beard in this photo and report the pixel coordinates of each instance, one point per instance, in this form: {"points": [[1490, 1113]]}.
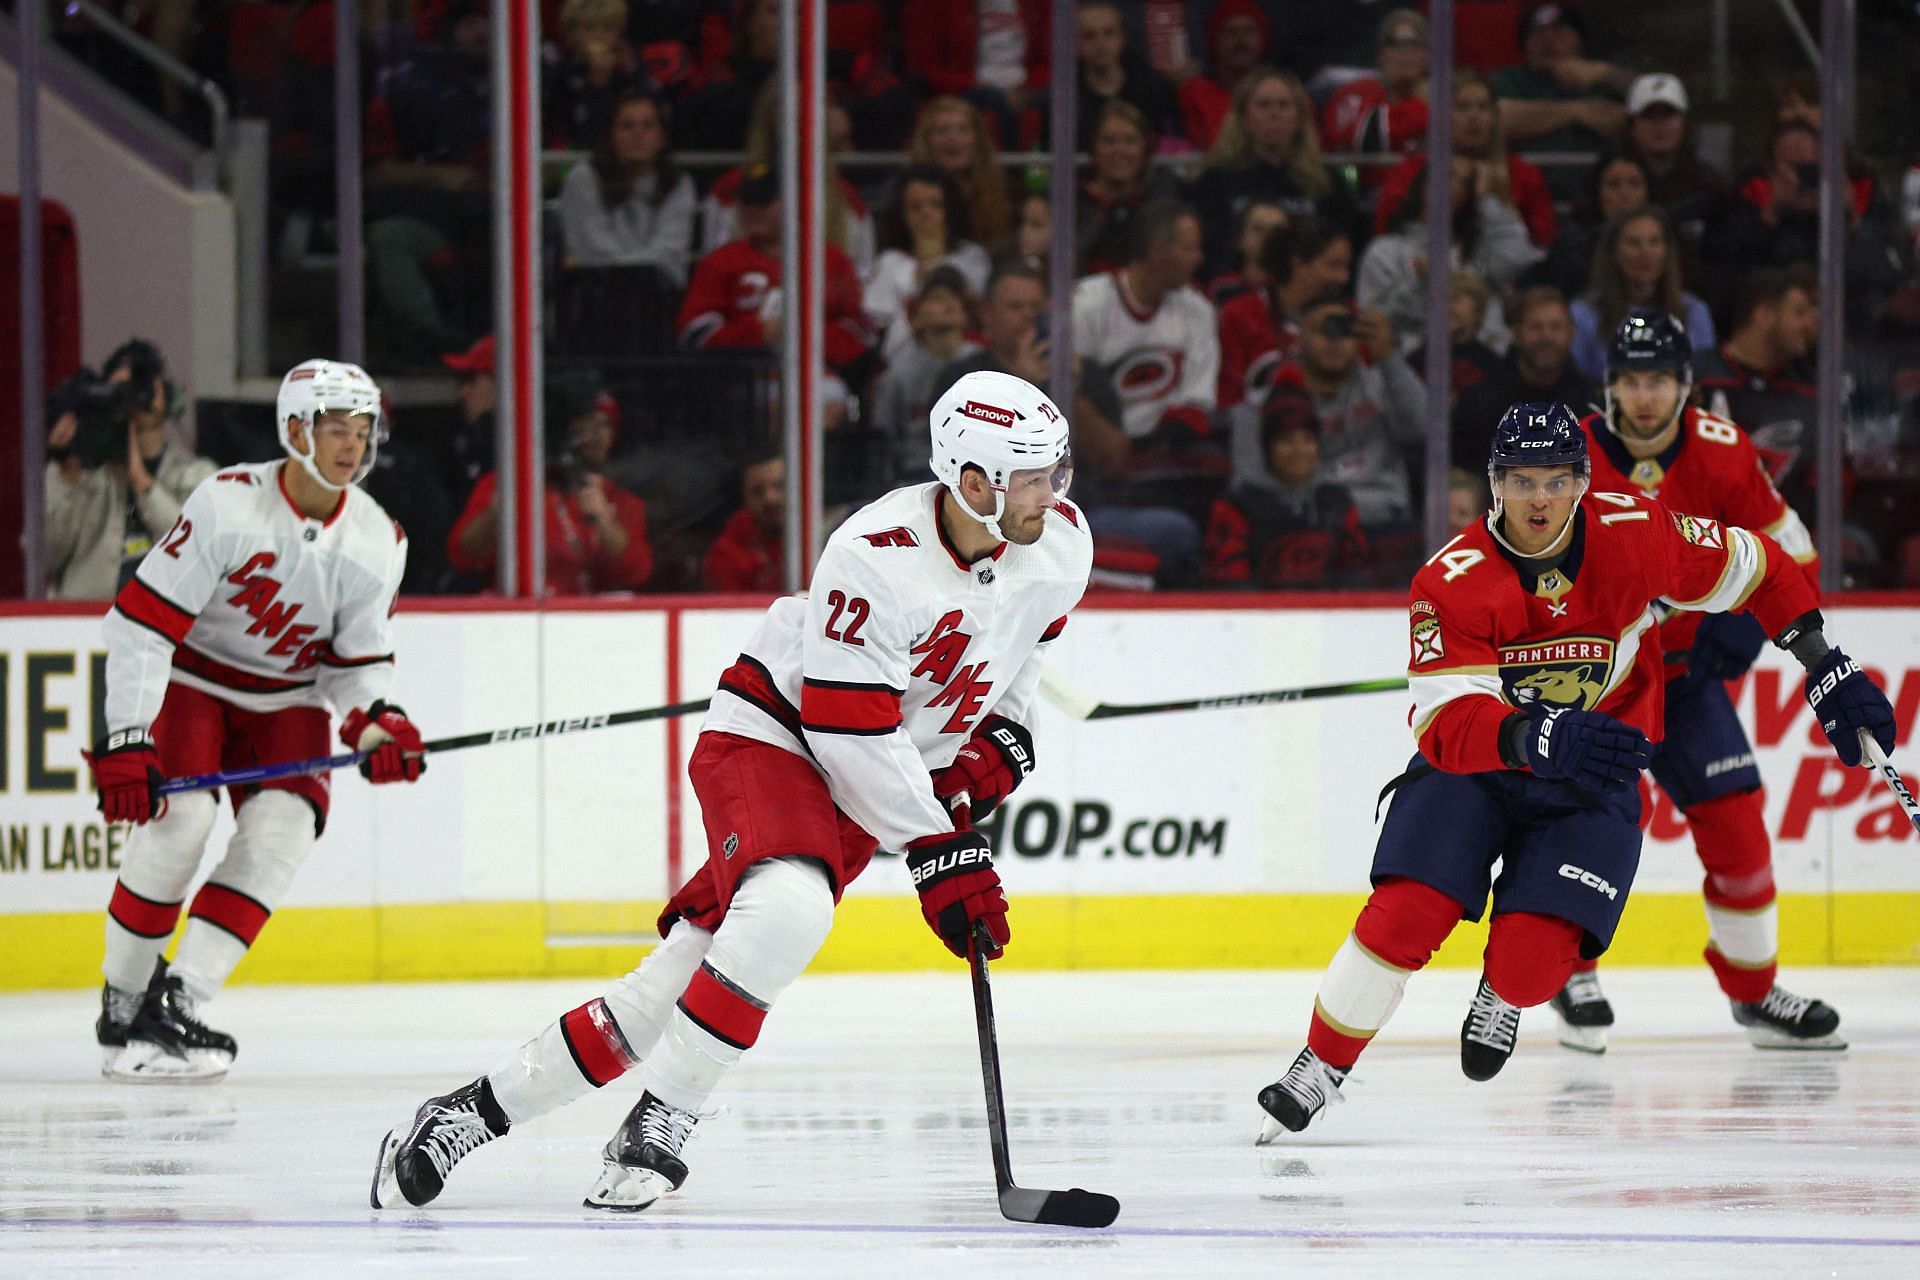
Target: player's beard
{"points": [[1024, 530]]}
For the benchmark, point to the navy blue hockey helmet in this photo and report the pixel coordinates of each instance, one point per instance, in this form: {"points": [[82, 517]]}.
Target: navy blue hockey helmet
{"points": [[1653, 341], [1539, 434]]}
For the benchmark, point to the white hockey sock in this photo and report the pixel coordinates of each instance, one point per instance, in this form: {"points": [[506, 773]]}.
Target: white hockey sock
{"points": [[1360, 991], [156, 869], [779, 917], [273, 836], [604, 1036], [1749, 939]]}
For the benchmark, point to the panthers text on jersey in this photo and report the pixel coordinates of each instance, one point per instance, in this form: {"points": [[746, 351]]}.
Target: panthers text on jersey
{"points": [[1489, 635], [1711, 469], [250, 600], [899, 650]]}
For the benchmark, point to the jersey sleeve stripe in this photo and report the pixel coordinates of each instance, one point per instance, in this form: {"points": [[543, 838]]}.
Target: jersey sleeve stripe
{"points": [[1745, 568], [1053, 630], [829, 706], [750, 681], [140, 603], [1790, 531], [333, 659], [1431, 693]]}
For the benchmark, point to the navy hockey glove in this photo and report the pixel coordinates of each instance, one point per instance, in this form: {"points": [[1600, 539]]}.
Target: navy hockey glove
{"points": [[959, 888], [126, 773], [1587, 748], [1846, 700], [1725, 646], [990, 764]]}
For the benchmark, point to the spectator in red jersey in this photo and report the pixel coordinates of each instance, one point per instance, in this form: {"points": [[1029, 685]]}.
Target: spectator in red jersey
{"points": [[733, 300], [750, 553], [1122, 177], [1476, 135], [1239, 37], [1108, 71], [1259, 330], [1383, 114], [1259, 220], [1267, 150], [596, 532], [1285, 525], [951, 137], [994, 54]]}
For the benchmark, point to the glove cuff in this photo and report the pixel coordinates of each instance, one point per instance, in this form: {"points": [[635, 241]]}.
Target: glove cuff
{"points": [[124, 740], [1013, 743], [932, 859], [1805, 640]]}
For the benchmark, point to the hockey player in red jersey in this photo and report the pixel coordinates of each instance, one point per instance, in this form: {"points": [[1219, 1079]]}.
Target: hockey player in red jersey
{"points": [[888, 707], [1537, 699], [1650, 441], [269, 600]]}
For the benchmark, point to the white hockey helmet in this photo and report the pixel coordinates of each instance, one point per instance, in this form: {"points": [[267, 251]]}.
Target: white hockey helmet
{"points": [[315, 387], [1001, 424]]}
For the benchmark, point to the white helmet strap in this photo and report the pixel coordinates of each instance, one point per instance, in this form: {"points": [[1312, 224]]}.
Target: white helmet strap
{"points": [[991, 523], [307, 463]]}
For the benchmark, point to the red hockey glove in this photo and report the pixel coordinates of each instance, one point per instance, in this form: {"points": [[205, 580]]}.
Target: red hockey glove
{"points": [[958, 889], [991, 763], [398, 754], [126, 775]]}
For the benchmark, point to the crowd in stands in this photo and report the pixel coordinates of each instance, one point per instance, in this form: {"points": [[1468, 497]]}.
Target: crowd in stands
{"points": [[1250, 318]]}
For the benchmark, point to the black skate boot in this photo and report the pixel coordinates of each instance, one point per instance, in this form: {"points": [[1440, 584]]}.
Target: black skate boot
{"points": [[1584, 1013], [166, 1042], [1786, 1021], [642, 1160], [118, 1009], [1292, 1101], [1487, 1036], [414, 1162]]}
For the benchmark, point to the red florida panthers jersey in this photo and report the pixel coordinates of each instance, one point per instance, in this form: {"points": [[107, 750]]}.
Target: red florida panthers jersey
{"points": [[1711, 469], [1489, 634]]}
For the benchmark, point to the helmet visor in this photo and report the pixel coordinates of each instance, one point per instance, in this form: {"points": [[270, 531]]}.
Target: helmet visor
{"points": [[1040, 487]]}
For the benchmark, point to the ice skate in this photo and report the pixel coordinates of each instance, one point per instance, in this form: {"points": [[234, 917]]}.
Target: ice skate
{"points": [[1585, 1014], [1786, 1021], [165, 1042], [1487, 1036], [1292, 1101], [413, 1164], [642, 1159]]}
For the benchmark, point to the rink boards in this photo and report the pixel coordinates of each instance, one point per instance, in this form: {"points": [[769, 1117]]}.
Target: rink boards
{"points": [[1212, 839]]}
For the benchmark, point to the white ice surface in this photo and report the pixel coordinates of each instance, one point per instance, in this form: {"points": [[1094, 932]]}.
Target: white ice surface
{"points": [[855, 1146]]}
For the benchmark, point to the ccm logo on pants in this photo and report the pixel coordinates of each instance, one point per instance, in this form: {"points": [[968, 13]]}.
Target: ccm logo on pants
{"points": [[1588, 879]]}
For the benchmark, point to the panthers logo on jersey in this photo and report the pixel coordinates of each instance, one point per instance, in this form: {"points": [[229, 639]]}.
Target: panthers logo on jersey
{"points": [[1574, 672]]}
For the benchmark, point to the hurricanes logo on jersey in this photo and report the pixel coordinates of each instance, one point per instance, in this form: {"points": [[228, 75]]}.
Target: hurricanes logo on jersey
{"points": [[1557, 673], [1700, 531]]}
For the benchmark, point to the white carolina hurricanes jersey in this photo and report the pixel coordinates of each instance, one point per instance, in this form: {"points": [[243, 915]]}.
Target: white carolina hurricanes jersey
{"points": [[1163, 361], [250, 600], [899, 650]]}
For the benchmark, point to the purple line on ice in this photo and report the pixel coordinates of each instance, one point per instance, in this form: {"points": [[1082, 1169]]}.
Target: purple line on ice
{"points": [[445, 1223]]}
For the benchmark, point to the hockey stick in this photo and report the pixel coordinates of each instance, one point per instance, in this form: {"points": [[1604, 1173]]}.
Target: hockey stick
{"points": [[1878, 762], [1081, 707], [486, 737], [1075, 1208]]}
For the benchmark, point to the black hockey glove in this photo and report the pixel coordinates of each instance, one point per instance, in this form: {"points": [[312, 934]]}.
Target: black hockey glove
{"points": [[1587, 748]]}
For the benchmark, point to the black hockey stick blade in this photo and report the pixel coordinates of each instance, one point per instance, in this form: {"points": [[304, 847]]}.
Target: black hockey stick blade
{"points": [[1075, 1208]]}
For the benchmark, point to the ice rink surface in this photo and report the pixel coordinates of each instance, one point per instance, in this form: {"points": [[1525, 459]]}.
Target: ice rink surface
{"points": [[854, 1142]]}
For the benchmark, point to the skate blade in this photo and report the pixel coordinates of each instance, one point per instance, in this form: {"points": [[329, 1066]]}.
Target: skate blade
{"points": [[1768, 1038], [1270, 1129], [623, 1190], [1583, 1039], [142, 1063], [386, 1182]]}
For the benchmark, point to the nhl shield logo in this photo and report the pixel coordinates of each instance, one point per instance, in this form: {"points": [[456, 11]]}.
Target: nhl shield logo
{"points": [[986, 577], [1574, 672], [730, 845]]}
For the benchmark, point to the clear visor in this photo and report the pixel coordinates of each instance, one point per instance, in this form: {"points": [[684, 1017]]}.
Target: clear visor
{"points": [[1522, 486], [364, 422], [1039, 487]]}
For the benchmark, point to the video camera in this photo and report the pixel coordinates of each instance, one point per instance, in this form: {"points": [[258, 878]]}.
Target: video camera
{"points": [[102, 410]]}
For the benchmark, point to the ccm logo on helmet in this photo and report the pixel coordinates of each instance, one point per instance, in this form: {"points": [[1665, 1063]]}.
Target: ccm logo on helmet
{"points": [[1538, 444], [1588, 879], [988, 413]]}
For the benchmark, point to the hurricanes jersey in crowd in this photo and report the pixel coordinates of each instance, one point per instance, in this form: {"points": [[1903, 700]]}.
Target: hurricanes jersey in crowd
{"points": [[252, 601], [1711, 469], [899, 650], [1164, 362], [1488, 635]]}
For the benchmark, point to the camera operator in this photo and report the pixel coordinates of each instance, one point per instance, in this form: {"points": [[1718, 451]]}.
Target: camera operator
{"points": [[116, 476], [596, 531]]}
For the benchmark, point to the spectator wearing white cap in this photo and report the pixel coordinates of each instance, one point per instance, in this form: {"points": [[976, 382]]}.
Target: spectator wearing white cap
{"points": [[1695, 196]]}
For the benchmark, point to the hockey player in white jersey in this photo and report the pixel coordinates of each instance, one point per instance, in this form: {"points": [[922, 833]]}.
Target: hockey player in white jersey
{"points": [[269, 600], [888, 707]]}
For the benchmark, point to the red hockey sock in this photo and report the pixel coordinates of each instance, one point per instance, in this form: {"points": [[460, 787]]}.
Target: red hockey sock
{"points": [[1404, 922], [1399, 929], [1530, 956]]}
